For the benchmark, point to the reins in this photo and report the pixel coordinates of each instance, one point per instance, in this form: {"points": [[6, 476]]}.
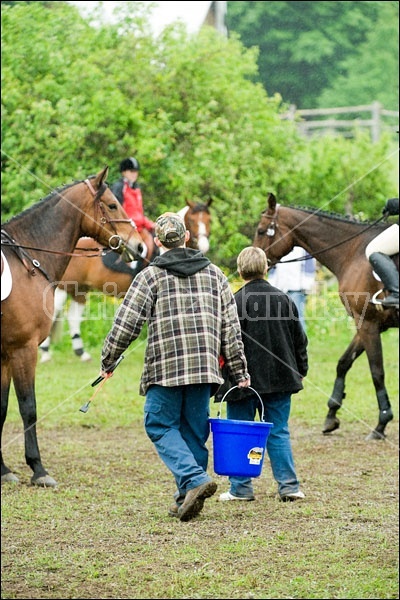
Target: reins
{"points": [[7, 240], [309, 256], [27, 260], [24, 257], [13, 244]]}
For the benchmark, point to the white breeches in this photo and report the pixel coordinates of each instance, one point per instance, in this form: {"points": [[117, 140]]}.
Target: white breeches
{"points": [[386, 242]]}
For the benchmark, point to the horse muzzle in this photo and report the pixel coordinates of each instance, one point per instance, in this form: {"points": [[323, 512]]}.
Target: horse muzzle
{"points": [[130, 250]]}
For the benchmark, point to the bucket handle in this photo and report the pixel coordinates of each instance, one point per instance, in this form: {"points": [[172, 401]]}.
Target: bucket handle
{"points": [[248, 388]]}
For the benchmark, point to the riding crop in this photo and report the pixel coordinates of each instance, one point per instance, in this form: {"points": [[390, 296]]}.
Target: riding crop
{"points": [[85, 407]]}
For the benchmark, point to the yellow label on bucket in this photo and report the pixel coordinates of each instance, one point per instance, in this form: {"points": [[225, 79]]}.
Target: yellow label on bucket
{"points": [[255, 456]]}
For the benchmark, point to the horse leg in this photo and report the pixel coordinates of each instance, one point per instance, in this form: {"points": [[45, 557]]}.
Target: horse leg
{"points": [[353, 351], [373, 348], [23, 366], [60, 298], [6, 474], [75, 317]]}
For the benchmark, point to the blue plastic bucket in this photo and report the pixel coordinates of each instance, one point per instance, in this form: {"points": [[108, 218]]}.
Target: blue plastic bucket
{"points": [[239, 446]]}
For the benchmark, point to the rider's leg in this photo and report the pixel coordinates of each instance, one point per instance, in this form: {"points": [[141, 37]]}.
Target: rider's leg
{"points": [[387, 271], [378, 252]]}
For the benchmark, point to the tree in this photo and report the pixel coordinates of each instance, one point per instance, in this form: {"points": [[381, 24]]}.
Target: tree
{"points": [[306, 48], [77, 97], [364, 78]]}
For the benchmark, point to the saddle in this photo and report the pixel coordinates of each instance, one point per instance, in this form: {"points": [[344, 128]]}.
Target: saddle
{"points": [[113, 261]]}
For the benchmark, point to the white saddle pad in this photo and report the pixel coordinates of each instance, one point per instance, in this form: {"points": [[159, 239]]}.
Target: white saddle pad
{"points": [[6, 279]]}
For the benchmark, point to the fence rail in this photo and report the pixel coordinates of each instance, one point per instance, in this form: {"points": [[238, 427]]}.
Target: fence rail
{"points": [[379, 121]]}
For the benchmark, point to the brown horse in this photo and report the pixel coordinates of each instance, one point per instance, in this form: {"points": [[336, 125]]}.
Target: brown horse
{"points": [[37, 245], [86, 273], [339, 244]]}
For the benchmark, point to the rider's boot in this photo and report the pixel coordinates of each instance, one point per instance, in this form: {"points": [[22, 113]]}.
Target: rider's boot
{"points": [[387, 271]]}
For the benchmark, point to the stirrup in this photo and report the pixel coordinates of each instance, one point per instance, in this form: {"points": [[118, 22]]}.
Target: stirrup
{"points": [[375, 299], [379, 301]]}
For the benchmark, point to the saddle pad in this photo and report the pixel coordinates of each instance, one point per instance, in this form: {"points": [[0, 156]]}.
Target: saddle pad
{"points": [[6, 278]]}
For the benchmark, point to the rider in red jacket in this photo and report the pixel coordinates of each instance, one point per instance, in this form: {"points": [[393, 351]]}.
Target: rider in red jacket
{"points": [[128, 192]]}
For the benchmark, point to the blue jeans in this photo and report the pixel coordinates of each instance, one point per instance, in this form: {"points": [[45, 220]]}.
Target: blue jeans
{"points": [[176, 421], [279, 448]]}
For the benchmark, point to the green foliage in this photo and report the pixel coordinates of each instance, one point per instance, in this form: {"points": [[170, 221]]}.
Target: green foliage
{"points": [[77, 97], [372, 71], [105, 532], [323, 53]]}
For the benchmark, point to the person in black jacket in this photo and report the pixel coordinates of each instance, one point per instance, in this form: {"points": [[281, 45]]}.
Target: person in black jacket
{"points": [[275, 346]]}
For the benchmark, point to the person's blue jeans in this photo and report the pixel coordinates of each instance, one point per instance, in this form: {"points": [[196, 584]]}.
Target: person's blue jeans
{"points": [[176, 421], [279, 448]]}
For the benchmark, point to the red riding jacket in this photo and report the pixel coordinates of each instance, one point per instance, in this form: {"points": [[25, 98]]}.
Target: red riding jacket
{"points": [[131, 200]]}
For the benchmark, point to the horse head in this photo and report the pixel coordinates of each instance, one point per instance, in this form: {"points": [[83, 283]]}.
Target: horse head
{"points": [[198, 222], [271, 236], [106, 220]]}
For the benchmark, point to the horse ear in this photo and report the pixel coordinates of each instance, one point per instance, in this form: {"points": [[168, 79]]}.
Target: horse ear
{"points": [[101, 177], [190, 203], [271, 201], [209, 201]]}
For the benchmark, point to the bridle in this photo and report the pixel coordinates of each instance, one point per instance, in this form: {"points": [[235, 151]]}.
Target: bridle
{"points": [[273, 227], [115, 241]]}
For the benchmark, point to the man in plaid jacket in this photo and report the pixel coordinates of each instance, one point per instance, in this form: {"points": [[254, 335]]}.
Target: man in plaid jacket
{"points": [[192, 319]]}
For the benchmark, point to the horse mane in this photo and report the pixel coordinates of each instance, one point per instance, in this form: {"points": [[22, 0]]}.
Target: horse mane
{"points": [[331, 215], [55, 193]]}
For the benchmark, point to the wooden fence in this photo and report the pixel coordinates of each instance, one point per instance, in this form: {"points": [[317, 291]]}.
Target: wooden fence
{"points": [[312, 121]]}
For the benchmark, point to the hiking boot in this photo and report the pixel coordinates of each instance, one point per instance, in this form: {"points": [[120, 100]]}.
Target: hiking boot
{"points": [[228, 496], [173, 510], [291, 497], [194, 500]]}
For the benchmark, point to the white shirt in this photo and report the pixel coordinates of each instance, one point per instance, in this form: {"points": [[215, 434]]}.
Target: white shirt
{"points": [[294, 276]]}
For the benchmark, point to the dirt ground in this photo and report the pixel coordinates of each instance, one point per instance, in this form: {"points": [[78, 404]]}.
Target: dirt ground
{"points": [[105, 532]]}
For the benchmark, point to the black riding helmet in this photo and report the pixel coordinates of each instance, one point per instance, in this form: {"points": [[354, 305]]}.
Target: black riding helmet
{"points": [[129, 164]]}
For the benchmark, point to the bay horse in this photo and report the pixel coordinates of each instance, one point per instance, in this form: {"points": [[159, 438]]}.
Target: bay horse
{"points": [[87, 273], [339, 244], [37, 245]]}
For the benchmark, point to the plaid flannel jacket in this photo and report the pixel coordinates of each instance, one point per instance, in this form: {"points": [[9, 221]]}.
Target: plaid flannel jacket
{"points": [[191, 321]]}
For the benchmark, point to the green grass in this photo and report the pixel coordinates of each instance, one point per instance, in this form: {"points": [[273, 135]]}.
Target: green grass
{"points": [[105, 533]]}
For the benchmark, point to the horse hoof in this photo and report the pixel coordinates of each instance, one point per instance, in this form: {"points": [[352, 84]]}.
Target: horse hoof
{"points": [[9, 478], [331, 425], [46, 357], [45, 481], [86, 357], [375, 435]]}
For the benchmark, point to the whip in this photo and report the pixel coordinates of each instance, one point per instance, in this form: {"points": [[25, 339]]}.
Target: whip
{"points": [[85, 407]]}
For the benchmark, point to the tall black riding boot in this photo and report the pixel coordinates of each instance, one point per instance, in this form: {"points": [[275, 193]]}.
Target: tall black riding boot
{"points": [[387, 271]]}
